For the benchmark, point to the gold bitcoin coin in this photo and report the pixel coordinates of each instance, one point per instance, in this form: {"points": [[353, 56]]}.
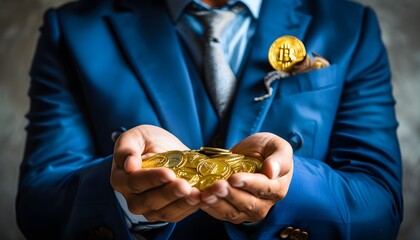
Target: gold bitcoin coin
{"points": [[214, 151], [189, 174], [201, 168], [155, 161], [194, 158], [258, 163], [176, 159], [231, 158], [214, 167], [207, 181], [248, 165], [285, 52]]}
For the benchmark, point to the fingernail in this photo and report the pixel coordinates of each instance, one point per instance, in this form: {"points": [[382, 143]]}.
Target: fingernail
{"points": [[167, 178], [223, 193], [276, 168], [163, 180], [179, 193], [238, 184], [192, 201], [125, 165], [210, 199], [131, 164]]}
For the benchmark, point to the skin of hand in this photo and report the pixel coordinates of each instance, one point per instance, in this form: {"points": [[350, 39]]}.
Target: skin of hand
{"points": [[155, 193], [215, 3], [248, 197]]}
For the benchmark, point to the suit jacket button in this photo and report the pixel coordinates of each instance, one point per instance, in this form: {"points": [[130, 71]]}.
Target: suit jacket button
{"points": [[295, 140], [285, 233], [303, 235], [101, 233], [295, 234], [116, 134]]}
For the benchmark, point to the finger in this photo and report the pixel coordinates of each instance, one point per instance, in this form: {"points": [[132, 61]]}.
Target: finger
{"points": [[224, 211], [254, 145], [159, 197], [177, 210], [259, 185], [278, 163], [142, 180], [158, 139], [230, 204], [128, 150], [219, 208], [143, 141], [132, 163], [275, 151]]}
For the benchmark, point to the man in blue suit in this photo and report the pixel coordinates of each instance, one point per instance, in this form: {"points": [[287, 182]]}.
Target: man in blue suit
{"points": [[327, 137]]}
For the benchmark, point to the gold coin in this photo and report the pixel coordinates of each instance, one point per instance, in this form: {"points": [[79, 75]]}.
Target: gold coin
{"points": [[207, 181], [214, 151], [176, 159], [248, 165], [194, 158], [202, 170], [242, 166], [258, 163], [214, 167], [285, 52], [231, 158], [155, 161], [189, 174]]}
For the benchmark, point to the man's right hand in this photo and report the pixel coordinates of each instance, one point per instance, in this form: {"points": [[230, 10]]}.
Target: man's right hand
{"points": [[155, 193]]}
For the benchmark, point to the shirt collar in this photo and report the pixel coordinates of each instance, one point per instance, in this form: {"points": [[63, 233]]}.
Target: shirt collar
{"points": [[176, 7]]}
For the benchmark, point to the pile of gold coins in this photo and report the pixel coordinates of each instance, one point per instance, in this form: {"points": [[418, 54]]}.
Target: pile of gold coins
{"points": [[201, 168]]}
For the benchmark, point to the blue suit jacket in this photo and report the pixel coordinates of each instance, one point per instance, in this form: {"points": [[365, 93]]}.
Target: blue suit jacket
{"points": [[105, 64]]}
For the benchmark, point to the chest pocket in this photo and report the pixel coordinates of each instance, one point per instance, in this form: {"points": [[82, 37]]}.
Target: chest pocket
{"points": [[303, 110]]}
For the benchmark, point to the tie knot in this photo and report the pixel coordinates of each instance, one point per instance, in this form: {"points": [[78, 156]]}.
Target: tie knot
{"points": [[214, 21]]}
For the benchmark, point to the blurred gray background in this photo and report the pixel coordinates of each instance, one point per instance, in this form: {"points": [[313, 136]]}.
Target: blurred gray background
{"points": [[19, 23]]}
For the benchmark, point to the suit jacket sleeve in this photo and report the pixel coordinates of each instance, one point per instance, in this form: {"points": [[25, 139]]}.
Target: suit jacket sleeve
{"points": [[64, 186]]}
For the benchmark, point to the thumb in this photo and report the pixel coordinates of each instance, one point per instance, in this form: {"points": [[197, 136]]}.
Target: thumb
{"points": [[271, 168], [132, 163], [128, 151]]}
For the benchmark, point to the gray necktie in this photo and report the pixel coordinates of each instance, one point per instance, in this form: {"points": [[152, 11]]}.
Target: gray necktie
{"points": [[219, 78]]}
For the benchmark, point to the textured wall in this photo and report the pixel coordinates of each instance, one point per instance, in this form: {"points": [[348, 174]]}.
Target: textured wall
{"points": [[399, 21], [19, 22]]}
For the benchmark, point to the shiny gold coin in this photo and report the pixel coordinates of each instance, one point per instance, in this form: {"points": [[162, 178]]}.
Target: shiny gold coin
{"points": [[207, 181], [155, 161], [214, 151], [246, 165], [176, 159], [189, 174], [285, 52], [258, 163], [229, 158], [194, 158], [202, 170], [214, 167]]}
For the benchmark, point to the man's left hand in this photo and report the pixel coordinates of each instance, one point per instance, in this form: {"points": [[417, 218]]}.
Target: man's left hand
{"points": [[248, 197]]}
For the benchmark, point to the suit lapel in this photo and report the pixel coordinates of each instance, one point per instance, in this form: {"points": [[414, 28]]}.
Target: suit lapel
{"points": [[143, 30], [277, 18]]}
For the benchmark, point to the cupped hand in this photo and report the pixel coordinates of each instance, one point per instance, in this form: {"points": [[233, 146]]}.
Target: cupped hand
{"points": [[155, 193], [248, 197]]}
